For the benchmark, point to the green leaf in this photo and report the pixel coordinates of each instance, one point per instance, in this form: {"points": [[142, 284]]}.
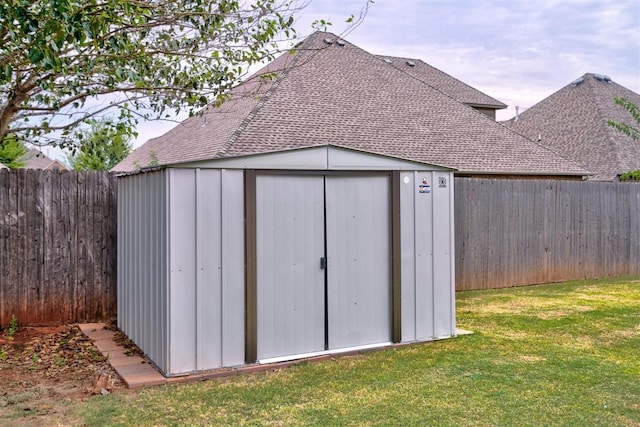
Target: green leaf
{"points": [[35, 55]]}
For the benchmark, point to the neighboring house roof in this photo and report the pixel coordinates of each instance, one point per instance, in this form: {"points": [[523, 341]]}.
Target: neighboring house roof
{"points": [[442, 81], [35, 159], [573, 122], [340, 95]]}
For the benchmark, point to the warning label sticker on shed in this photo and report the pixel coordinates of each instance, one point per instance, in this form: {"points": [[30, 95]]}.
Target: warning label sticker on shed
{"points": [[424, 187]]}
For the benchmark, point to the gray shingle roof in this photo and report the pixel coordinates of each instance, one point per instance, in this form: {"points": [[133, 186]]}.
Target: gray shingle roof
{"points": [[341, 95], [445, 83], [573, 122]]}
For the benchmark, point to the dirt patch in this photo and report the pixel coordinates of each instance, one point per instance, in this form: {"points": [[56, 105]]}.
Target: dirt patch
{"points": [[42, 369]]}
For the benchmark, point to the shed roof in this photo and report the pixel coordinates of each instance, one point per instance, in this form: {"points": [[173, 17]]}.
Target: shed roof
{"points": [[329, 93], [573, 122]]}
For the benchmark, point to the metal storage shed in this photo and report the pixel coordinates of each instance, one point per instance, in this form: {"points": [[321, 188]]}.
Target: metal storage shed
{"points": [[284, 255]]}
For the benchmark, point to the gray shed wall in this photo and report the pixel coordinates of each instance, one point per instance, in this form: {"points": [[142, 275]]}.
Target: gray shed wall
{"points": [[142, 262], [427, 257], [181, 267], [181, 262], [206, 269]]}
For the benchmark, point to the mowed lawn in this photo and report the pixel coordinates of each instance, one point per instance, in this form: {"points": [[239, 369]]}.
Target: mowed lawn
{"points": [[561, 354]]}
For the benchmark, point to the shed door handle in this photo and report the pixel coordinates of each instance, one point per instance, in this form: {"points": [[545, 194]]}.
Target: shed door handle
{"points": [[323, 263]]}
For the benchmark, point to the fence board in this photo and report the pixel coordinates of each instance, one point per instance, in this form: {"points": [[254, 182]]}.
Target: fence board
{"points": [[521, 232], [57, 246], [58, 238]]}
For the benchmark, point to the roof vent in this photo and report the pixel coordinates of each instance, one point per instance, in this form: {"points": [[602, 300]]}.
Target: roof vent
{"points": [[340, 42], [328, 41], [387, 60], [577, 81], [411, 63], [602, 78]]}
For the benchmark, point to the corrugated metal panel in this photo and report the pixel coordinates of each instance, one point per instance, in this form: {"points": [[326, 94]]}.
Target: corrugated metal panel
{"points": [[182, 271], [209, 268], [443, 254], [423, 219], [142, 282], [407, 248], [290, 286], [232, 185], [182, 302], [427, 256], [358, 252], [220, 268], [181, 263]]}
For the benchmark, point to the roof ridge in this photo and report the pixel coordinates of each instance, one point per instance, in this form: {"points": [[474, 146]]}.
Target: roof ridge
{"points": [[380, 58], [609, 131], [264, 98], [448, 75], [548, 148]]}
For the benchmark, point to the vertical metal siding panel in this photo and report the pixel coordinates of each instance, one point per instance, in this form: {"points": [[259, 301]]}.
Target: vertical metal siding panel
{"points": [[290, 243], [157, 248], [209, 269], [129, 273], [135, 260], [358, 250], [143, 286], [182, 294], [452, 255], [163, 267], [146, 224], [123, 243], [141, 273], [408, 189], [154, 275], [232, 291], [424, 258], [442, 257]]}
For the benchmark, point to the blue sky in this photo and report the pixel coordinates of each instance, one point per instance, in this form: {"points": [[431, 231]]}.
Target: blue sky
{"points": [[518, 51]]}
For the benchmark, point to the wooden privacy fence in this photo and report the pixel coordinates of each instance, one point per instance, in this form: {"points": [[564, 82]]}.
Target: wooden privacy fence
{"points": [[58, 238], [57, 246], [521, 232]]}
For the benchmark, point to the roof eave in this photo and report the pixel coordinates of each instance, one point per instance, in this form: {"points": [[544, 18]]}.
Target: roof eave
{"points": [[491, 106], [523, 173]]}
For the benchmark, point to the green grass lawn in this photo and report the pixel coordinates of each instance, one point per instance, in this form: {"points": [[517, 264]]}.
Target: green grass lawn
{"points": [[562, 354]]}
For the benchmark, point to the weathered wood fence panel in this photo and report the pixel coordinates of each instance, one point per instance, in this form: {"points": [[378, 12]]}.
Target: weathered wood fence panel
{"points": [[57, 246], [521, 232], [58, 238]]}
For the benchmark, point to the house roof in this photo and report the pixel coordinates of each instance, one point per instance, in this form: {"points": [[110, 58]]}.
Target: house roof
{"points": [[36, 159], [336, 93], [442, 81], [573, 122]]}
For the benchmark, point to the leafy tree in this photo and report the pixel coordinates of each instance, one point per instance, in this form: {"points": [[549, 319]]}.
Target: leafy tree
{"points": [[63, 62], [12, 152], [634, 111], [104, 145], [632, 131]]}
